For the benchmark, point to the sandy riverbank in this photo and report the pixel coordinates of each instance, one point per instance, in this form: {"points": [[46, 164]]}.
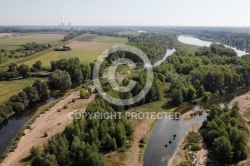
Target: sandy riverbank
{"points": [[52, 122], [201, 156]]}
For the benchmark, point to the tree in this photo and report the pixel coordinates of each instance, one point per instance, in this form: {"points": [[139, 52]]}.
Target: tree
{"points": [[24, 98], [201, 91], [59, 146], [43, 89], [18, 107], [120, 135], [35, 152], [32, 94], [191, 95], [46, 160], [177, 98], [23, 70], [13, 71], [37, 65], [223, 150], [60, 80]]}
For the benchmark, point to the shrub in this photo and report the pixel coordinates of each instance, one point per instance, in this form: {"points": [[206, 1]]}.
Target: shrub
{"points": [[84, 94], [65, 107]]}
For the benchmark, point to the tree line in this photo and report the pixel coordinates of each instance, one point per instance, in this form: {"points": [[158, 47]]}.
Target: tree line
{"points": [[225, 135], [152, 44], [207, 74], [83, 141], [65, 74]]}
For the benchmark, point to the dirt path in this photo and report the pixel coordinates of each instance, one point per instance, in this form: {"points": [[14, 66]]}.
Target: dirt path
{"points": [[52, 122]]}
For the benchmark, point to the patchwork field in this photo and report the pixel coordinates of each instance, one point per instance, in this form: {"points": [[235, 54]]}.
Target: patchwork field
{"points": [[87, 48], [9, 88], [83, 55]]}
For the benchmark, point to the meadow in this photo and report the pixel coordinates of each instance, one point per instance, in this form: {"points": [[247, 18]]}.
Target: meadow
{"points": [[9, 88], [37, 38], [83, 55]]}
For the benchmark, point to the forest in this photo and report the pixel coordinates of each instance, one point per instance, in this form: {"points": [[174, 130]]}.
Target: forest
{"points": [[213, 71], [152, 44]]}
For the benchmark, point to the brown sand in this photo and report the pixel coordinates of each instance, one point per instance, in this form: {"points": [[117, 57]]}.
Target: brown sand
{"points": [[52, 122]]}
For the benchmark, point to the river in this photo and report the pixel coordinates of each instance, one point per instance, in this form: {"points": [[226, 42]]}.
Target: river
{"points": [[156, 153], [12, 126], [195, 41], [155, 148]]}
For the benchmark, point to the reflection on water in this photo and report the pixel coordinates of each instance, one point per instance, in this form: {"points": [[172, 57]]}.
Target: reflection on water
{"points": [[11, 127], [158, 60], [198, 42], [163, 132]]}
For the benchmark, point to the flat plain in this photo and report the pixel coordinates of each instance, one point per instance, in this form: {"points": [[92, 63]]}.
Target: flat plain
{"points": [[9, 88]]}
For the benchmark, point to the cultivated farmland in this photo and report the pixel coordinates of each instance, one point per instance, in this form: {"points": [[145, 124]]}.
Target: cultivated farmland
{"points": [[87, 48], [107, 39]]}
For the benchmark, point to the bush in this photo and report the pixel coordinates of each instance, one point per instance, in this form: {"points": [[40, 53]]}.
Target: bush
{"points": [[195, 147], [90, 91], [84, 94], [35, 152]]}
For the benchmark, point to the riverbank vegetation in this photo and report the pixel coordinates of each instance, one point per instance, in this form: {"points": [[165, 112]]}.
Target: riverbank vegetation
{"points": [[65, 73], [233, 37], [211, 72], [195, 75], [225, 135]]}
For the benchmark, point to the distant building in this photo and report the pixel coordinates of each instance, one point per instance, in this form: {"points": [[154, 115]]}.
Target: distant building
{"points": [[62, 24], [69, 24]]}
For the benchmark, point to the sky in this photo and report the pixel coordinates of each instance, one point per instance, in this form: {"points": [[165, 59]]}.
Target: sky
{"points": [[234, 13]]}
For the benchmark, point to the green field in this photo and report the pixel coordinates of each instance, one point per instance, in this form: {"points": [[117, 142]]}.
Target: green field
{"points": [[83, 55], [20, 41], [9, 88], [107, 39]]}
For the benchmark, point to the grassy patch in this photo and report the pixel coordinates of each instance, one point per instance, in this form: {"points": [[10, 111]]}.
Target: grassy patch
{"points": [[83, 55], [29, 39], [108, 39], [9, 88]]}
